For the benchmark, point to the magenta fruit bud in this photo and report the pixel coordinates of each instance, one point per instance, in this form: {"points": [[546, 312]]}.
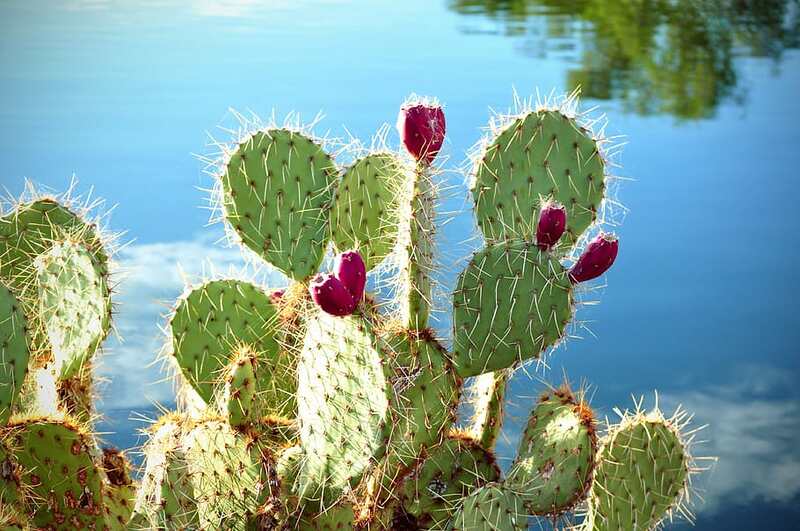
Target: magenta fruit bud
{"points": [[276, 296], [596, 259], [351, 271], [331, 295], [552, 222], [421, 129]]}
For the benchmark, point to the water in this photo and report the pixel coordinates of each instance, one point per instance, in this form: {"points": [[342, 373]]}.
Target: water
{"points": [[700, 304]]}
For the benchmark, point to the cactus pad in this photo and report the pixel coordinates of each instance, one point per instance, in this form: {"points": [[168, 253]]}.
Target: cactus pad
{"points": [[510, 304], [240, 389], [426, 395], [488, 392], [542, 154], [73, 305], [451, 471], [493, 507], [32, 228], [641, 474], [343, 404], [365, 211], [277, 191], [58, 469], [553, 469], [211, 324], [14, 351], [119, 492]]}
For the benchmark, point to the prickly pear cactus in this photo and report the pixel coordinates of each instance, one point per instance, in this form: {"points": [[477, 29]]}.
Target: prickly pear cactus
{"points": [[55, 311], [320, 405]]}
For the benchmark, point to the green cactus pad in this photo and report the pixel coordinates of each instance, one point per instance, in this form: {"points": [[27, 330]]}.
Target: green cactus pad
{"points": [[538, 155], [493, 507], [288, 466], [417, 240], [510, 304], [488, 393], [343, 405], [64, 483], [365, 213], [213, 322], [14, 351], [223, 474], [426, 396], [339, 517], [553, 469], [32, 228], [10, 476], [240, 389], [119, 492], [178, 501], [74, 307], [451, 471], [641, 474], [277, 191]]}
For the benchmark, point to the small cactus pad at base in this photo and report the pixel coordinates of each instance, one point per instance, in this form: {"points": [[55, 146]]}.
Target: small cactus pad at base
{"points": [[212, 323], [14, 351], [553, 469], [58, 472], [119, 491], [542, 154], [641, 474], [451, 471], [277, 191], [73, 305], [493, 507], [365, 212], [343, 404], [240, 388], [426, 393], [510, 304]]}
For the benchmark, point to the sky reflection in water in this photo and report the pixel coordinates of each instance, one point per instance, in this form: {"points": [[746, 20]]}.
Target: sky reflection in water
{"points": [[701, 302]]}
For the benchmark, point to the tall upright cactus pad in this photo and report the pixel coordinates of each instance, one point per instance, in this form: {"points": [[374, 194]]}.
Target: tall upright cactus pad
{"points": [[432, 491], [510, 304], [213, 322], [493, 507], [416, 240], [642, 473], [343, 404], [63, 483], [553, 469], [73, 305], [365, 212], [277, 190], [426, 392], [538, 155], [14, 351]]}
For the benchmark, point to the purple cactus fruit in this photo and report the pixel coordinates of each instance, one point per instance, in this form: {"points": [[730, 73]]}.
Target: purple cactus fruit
{"points": [[349, 268], [552, 222], [331, 295], [421, 127], [596, 259], [276, 296]]}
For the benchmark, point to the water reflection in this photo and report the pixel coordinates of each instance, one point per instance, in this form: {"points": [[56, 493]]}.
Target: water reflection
{"points": [[654, 56]]}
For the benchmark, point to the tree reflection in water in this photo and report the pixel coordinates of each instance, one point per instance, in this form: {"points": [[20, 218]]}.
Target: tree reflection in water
{"points": [[655, 56]]}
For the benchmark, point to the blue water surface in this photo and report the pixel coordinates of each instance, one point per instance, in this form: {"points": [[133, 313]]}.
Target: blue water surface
{"points": [[703, 95]]}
